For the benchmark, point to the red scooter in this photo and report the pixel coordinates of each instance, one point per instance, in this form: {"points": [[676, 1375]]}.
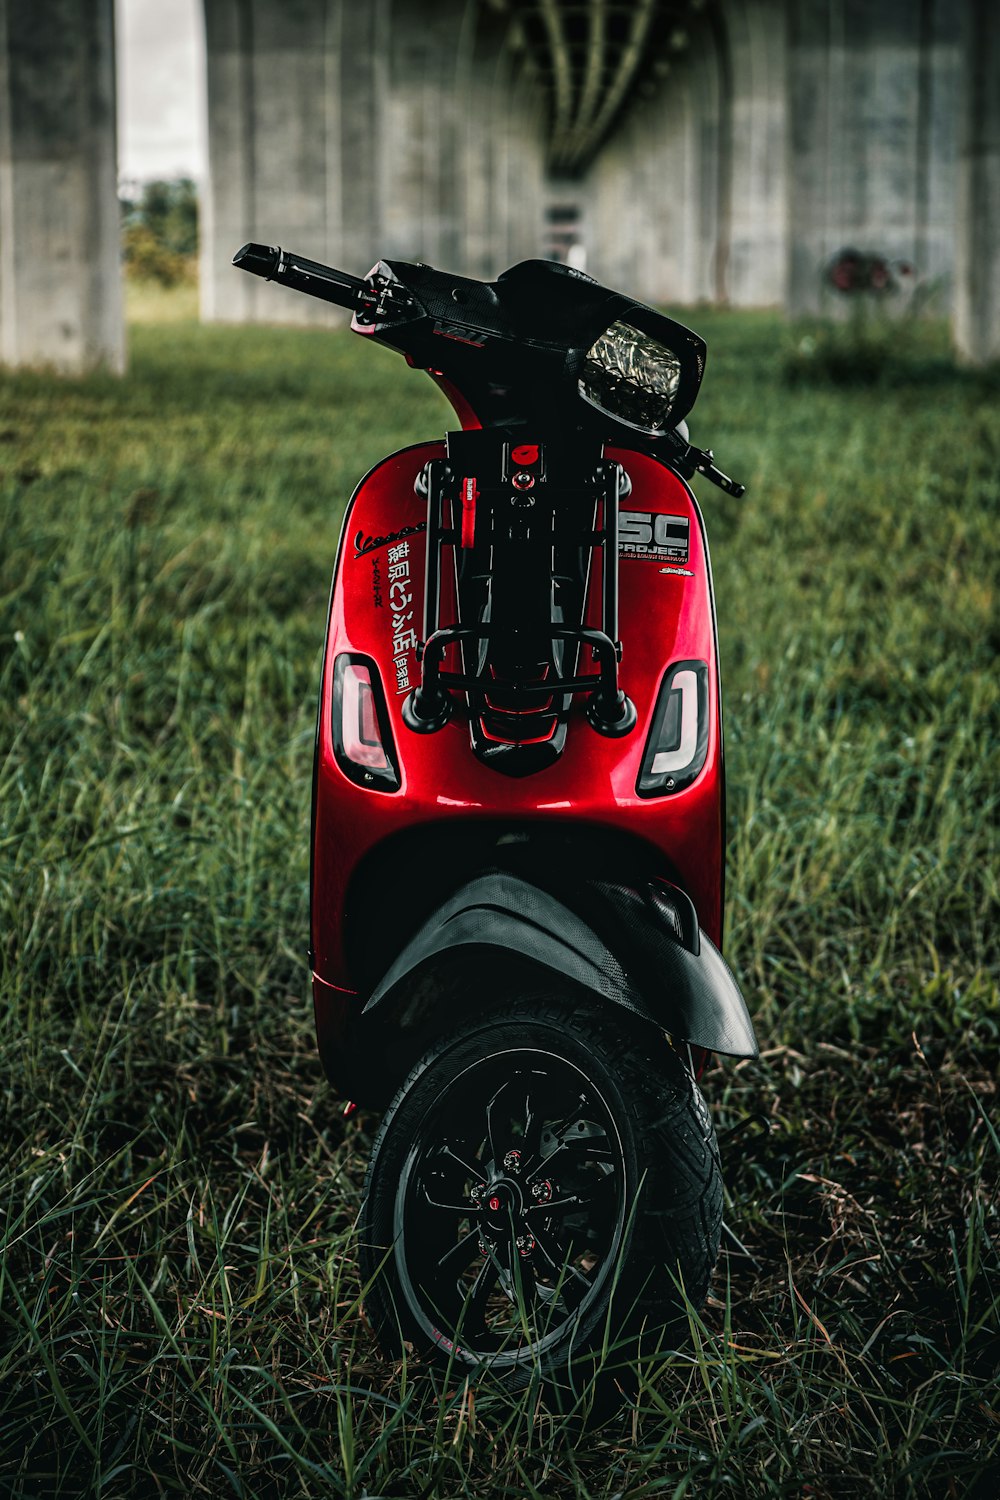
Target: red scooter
{"points": [[518, 825]]}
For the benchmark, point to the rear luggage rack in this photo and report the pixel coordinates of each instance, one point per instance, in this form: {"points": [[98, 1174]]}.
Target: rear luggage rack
{"points": [[523, 522]]}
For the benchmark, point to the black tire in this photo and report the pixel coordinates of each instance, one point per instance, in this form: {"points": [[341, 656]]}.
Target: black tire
{"points": [[542, 1186]]}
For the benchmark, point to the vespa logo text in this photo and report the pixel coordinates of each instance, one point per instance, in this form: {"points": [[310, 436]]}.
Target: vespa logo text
{"points": [[363, 544]]}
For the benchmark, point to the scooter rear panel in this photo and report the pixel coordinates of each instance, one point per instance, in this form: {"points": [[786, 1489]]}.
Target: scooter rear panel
{"points": [[666, 615]]}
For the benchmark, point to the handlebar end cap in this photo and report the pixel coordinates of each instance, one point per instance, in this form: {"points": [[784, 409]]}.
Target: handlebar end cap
{"points": [[260, 260]]}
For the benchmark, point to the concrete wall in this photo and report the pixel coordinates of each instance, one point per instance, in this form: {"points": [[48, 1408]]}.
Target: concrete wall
{"points": [[652, 195], [688, 199], [351, 132], [756, 64], [784, 131], [977, 301], [276, 143], [60, 277], [872, 105]]}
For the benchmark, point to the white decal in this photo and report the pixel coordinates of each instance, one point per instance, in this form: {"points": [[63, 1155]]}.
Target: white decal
{"points": [[404, 639]]}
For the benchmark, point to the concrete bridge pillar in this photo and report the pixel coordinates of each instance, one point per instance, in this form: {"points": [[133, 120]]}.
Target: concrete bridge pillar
{"points": [[683, 249], [607, 199], [510, 162], [60, 273], [274, 146], [756, 65], [977, 278], [690, 193], [654, 221], [351, 132], [871, 136]]}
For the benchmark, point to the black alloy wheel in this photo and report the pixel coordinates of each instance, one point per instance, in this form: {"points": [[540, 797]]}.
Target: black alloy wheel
{"points": [[542, 1185]]}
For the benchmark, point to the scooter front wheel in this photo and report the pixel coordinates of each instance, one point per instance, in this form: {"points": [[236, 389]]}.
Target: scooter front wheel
{"points": [[544, 1194]]}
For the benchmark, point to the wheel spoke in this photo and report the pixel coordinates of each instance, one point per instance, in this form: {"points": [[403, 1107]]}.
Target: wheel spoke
{"points": [[472, 1170], [574, 1285], [478, 1295], [452, 1208], [560, 1208], [534, 1120], [458, 1256], [529, 1282], [491, 1137], [521, 1286]]}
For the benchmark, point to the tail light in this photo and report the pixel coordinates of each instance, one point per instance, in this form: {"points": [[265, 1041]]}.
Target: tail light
{"points": [[678, 741], [362, 739]]}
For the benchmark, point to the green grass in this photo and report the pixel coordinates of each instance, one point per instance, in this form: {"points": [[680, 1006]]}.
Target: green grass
{"points": [[178, 1287]]}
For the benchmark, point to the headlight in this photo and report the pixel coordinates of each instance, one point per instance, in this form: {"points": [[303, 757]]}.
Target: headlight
{"points": [[631, 377], [678, 741]]}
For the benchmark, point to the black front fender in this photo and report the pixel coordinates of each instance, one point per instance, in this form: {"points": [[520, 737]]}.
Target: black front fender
{"points": [[639, 948]]}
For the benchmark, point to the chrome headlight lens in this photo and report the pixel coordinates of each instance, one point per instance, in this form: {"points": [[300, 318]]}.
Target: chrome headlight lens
{"points": [[632, 377]]}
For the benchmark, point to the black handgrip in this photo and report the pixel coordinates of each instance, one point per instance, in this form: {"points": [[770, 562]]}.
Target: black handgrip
{"points": [[303, 275]]}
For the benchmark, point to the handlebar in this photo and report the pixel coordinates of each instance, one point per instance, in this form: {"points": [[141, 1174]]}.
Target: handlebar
{"points": [[378, 298], [310, 276]]}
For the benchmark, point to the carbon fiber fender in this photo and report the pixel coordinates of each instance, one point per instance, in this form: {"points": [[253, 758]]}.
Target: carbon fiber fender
{"points": [[638, 948]]}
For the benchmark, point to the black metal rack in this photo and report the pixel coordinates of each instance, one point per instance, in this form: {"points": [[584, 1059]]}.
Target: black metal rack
{"points": [[526, 517]]}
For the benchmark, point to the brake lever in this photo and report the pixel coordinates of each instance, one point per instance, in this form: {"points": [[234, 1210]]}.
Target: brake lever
{"points": [[708, 468], [691, 460]]}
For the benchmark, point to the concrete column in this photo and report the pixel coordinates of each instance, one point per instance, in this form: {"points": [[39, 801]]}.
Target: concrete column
{"points": [[977, 300], [518, 174], [358, 81], [275, 144], [710, 206], [463, 143], [870, 136], [60, 260], [657, 215], [484, 70], [646, 225], [424, 126], [677, 258], [757, 44], [938, 143], [609, 243], [351, 132]]}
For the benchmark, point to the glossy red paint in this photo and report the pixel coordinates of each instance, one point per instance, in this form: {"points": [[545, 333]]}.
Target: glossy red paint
{"points": [[666, 614]]}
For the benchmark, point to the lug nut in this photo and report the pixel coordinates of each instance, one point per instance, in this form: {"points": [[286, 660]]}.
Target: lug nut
{"points": [[512, 1161], [541, 1191], [525, 1244]]}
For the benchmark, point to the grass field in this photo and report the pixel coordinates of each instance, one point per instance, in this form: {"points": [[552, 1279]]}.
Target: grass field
{"points": [[178, 1292]]}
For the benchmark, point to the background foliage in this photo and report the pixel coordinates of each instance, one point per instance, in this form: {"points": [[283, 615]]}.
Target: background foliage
{"points": [[160, 231], [177, 1290]]}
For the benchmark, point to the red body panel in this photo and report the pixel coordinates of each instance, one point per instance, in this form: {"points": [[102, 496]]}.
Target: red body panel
{"points": [[666, 614]]}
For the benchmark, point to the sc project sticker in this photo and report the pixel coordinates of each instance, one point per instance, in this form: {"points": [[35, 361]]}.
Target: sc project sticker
{"points": [[654, 538]]}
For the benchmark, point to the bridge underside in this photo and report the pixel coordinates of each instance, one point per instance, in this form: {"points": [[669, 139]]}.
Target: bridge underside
{"points": [[689, 150], [593, 58]]}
